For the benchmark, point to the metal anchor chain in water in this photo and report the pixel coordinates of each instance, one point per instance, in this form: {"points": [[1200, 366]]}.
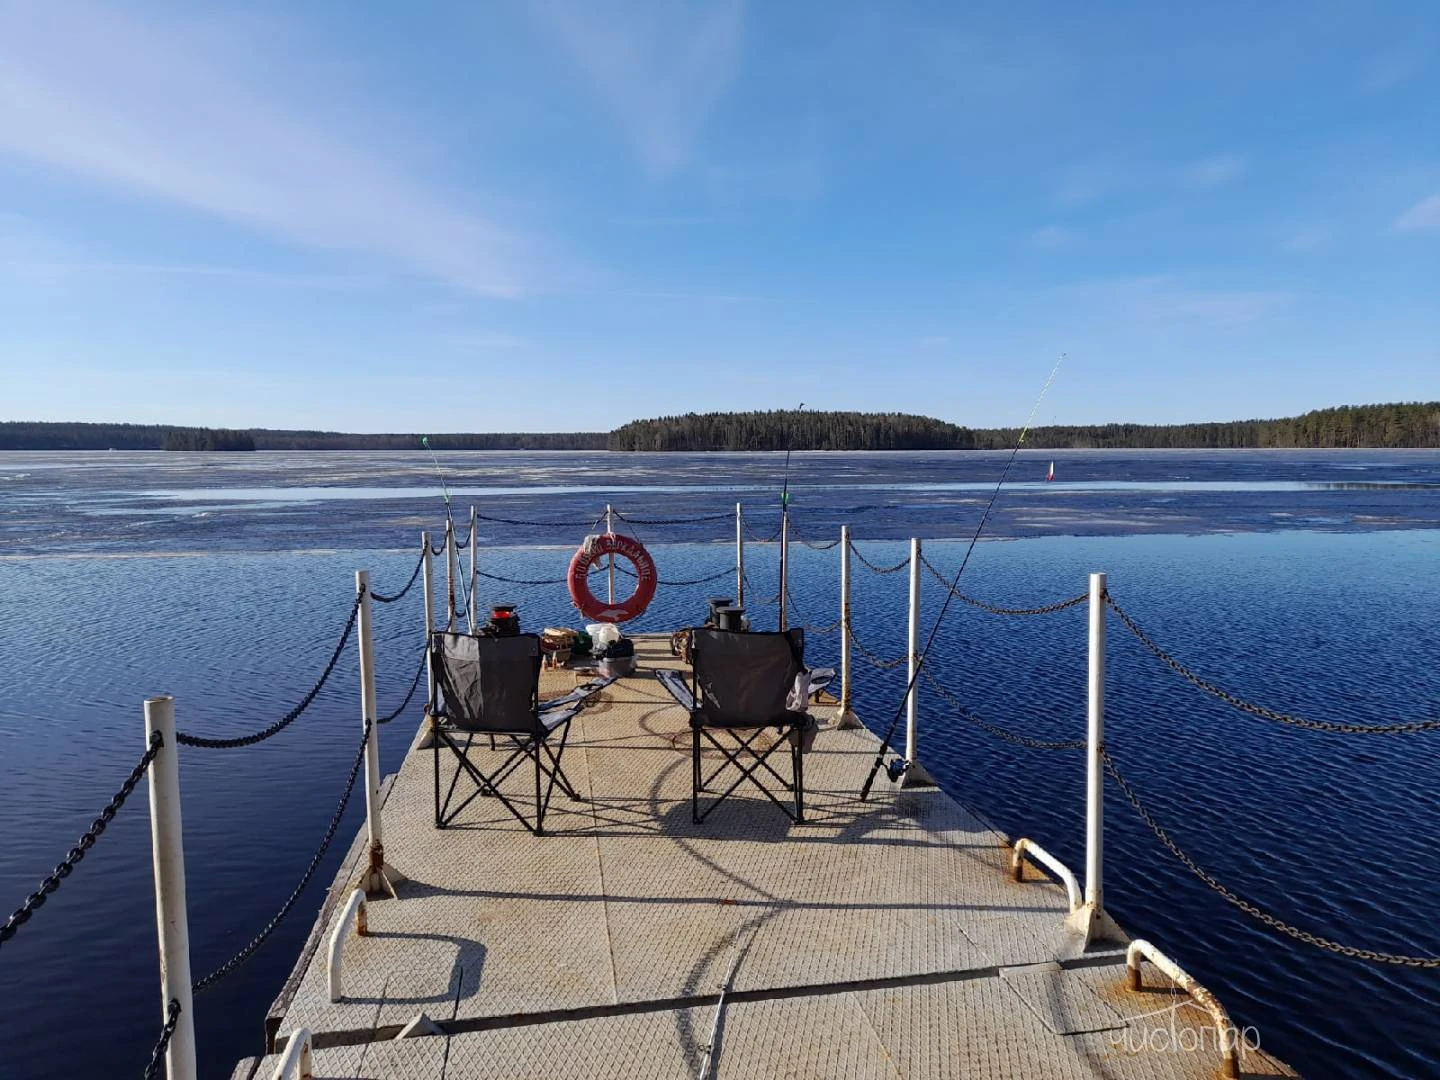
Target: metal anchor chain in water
{"points": [[414, 575], [1046, 609], [1250, 909], [879, 569], [994, 729], [1260, 710], [259, 939], [157, 1056], [67, 866], [290, 717]]}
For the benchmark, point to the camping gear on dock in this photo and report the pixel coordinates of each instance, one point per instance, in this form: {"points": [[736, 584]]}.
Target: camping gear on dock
{"points": [[740, 689], [611, 611], [491, 686], [616, 657]]}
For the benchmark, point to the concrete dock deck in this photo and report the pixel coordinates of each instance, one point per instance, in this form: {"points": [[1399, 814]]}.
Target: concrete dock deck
{"points": [[878, 939]]}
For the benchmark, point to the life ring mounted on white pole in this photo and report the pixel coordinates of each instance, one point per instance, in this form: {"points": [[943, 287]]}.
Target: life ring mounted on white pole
{"points": [[578, 579]]}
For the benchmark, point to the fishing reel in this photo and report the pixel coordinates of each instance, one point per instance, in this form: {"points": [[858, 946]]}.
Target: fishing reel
{"points": [[897, 768]]}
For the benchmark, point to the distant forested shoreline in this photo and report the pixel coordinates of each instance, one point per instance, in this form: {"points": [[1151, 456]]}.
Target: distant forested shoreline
{"points": [[1393, 426]]}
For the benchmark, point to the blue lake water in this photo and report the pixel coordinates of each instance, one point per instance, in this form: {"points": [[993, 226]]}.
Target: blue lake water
{"points": [[1304, 581]]}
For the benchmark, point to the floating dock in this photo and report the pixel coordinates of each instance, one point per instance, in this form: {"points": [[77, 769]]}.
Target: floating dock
{"points": [[883, 939]]}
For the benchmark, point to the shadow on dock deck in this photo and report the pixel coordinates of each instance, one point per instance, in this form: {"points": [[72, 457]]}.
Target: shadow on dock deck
{"points": [[882, 939]]}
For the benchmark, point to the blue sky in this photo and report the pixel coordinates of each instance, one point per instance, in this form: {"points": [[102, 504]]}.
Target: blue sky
{"points": [[549, 216]]}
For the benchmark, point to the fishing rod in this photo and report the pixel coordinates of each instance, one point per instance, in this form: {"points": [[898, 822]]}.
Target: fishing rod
{"points": [[449, 516], [789, 443], [897, 768]]}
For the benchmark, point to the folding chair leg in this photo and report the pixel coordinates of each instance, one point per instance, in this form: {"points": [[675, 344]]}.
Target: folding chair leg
{"points": [[695, 775]]}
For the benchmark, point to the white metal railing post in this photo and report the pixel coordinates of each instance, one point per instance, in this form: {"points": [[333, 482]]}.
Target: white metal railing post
{"points": [[1094, 768], [739, 557], [474, 559], [610, 570], [449, 572], [377, 876], [172, 924], [847, 718], [912, 652], [427, 584], [1092, 919], [784, 564]]}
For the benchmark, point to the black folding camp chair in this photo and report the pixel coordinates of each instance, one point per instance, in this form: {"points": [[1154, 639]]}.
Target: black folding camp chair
{"points": [[490, 686], [741, 683]]}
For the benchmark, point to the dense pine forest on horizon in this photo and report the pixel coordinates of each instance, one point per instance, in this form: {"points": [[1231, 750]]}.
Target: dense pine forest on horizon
{"points": [[1392, 426]]}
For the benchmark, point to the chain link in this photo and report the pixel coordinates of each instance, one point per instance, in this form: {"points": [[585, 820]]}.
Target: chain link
{"points": [[694, 581], [1046, 609], [879, 569], [290, 717], [875, 661], [805, 624], [414, 683], [414, 575], [760, 600], [1250, 909], [756, 538], [726, 516], [543, 524], [259, 939], [85, 843], [519, 581], [157, 1056], [994, 729], [1260, 710], [813, 545]]}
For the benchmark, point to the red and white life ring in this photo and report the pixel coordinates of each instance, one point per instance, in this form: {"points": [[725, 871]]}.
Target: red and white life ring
{"points": [[627, 547]]}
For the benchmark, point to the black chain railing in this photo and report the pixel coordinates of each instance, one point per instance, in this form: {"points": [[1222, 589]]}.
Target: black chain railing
{"points": [[804, 623], [520, 581], [994, 609], [542, 524], [760, 600], [879, 569], [290, 717], [966, 714], [414, 683], [756, 538], [72, 858], [872, 658], [259, 939], [1259, 710], [380, 598], [157, 1056], [813, 545], [726, 516], [693, 581], [1246, 906]]}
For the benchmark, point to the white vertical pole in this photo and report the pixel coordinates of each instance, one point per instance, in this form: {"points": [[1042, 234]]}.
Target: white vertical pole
{"points": [[365, 633], [171, 922], [913, 651], [847, 718], [1094, 768], [784, 565], [474, 558], [739, 557], [428, 585], [610, 528], [449, 573]]}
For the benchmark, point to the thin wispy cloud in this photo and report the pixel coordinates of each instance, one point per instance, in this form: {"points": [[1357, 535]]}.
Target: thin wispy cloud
{"points": [[1211, 172], [183, 113], [1052, 238], [659, 68], [1424, 216], [1090, 181]]}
